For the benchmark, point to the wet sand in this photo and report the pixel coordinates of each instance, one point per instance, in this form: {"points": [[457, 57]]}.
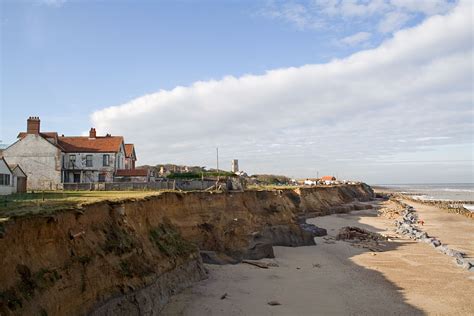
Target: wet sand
{"points": [[337, 278]]}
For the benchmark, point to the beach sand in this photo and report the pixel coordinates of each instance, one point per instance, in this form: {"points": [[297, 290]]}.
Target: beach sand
{"points": [[337, 278]]}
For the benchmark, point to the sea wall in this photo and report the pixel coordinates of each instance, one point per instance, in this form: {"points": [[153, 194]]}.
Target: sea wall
{"points": [[129, 257]]}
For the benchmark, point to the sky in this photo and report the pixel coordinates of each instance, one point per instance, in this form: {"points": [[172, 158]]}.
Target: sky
{"points": [[374, 90]]}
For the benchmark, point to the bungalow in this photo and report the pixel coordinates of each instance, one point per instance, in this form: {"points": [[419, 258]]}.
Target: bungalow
{"points": [[328, 179], [12, 178]]}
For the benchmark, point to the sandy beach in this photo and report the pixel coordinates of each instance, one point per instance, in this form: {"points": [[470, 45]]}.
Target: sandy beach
{"points": [[399, 277]]}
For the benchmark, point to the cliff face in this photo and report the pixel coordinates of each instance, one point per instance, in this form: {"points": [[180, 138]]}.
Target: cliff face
{"points": [[130, 257]]}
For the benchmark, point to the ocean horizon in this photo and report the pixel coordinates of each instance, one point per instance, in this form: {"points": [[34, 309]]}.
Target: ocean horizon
{"points": [[437, 191]]}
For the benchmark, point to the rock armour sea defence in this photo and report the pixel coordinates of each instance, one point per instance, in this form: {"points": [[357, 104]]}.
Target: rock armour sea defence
{"points": [[408, 225], [129, 257]]}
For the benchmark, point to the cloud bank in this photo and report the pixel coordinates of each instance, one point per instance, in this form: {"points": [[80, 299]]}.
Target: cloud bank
{"points": [[412, 94]]}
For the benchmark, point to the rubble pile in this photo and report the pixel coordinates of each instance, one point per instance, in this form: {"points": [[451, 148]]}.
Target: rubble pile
{"points": [[356, 233], [407, 226]]}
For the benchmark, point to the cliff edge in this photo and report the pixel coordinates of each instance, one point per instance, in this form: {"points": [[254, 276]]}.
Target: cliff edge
{"points": [[129, 257]]}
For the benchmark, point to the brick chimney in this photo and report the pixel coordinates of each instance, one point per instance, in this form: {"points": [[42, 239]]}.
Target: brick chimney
{"points": [[92, 133], [33, 125]]}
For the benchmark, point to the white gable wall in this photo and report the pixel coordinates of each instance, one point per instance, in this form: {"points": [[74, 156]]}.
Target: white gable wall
{"points": [[7, 189], [39, 159]]}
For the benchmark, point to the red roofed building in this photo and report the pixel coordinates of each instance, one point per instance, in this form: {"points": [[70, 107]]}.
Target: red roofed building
{"points": [[328, 178], [50, 160], [130, 156]]}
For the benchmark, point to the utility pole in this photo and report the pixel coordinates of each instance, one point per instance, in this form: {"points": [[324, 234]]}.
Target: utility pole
{"points": [[217, 162]]}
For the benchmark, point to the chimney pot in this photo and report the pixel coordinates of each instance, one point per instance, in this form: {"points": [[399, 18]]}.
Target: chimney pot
{"points": [[33, 125]]}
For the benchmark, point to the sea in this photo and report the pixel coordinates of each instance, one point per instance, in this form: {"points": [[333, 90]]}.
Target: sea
{"points": [[438, 191]]}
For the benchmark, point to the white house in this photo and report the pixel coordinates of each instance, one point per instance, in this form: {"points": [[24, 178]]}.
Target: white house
{"points": [[6, 178], [12, 178], [50, 160]]}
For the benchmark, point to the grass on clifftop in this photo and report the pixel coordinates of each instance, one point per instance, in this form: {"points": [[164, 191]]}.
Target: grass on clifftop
{"points": [[22, 204]]}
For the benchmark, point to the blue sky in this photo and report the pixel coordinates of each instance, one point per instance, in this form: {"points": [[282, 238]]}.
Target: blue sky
{"points": [[65, 60]]}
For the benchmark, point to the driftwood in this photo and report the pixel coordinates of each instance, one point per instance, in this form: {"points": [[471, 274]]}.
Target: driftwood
{"points": [[257, 264]]}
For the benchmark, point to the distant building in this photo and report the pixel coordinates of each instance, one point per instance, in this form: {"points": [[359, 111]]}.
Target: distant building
{"points": [[328, 178], [50, 160], [235, 166], [134, 175]]}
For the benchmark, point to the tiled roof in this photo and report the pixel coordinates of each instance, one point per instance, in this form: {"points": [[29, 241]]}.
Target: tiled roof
{"points": [[128, 150], [328, 178], [45, 135], [100, 144], [131, 173]]}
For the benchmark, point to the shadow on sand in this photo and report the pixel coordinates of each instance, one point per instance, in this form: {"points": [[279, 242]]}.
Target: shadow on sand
{"points": [[369, 291]]}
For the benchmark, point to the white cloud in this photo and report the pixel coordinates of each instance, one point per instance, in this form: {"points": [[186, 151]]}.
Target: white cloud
{"points": [[428, 7], [393, 21], [415, 87], [53, 3], [293, 13], [356, 38], [391, 15]]}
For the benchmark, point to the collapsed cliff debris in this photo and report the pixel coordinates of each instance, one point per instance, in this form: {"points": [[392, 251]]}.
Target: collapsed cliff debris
{"points": [[356, 233], [361, 238], [407, 225]]}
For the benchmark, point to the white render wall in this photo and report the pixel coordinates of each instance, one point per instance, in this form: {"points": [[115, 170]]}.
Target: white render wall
{"points": [[91, 174], [39, 159], [7, 189]]}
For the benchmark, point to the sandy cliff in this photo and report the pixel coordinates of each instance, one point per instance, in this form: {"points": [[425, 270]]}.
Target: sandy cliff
{"points": [[130, 257]]}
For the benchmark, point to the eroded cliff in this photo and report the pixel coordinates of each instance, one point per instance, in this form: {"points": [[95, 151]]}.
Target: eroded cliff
{"points": [[130, 257]]}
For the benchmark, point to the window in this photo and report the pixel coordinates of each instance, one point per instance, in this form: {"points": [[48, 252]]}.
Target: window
{"points": [[4, 179], [88, 160], [101, 177], [72, 161], [106, 160]]}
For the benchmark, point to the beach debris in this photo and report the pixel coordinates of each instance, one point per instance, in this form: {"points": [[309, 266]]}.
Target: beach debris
{"points": [[356, 233], [273, 303], [262, 265], [224, 296], [316, 265], [314, 230], [406, 225]]}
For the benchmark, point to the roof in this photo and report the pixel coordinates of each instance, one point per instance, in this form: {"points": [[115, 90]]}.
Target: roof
{"points": [[100, 144], [45, 135], [6, 164], [131, 173], [13, 166], [129, 150], [328, 178]]}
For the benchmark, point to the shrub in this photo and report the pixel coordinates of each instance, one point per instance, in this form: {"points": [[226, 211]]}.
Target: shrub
{"points": [[169, 241]]}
